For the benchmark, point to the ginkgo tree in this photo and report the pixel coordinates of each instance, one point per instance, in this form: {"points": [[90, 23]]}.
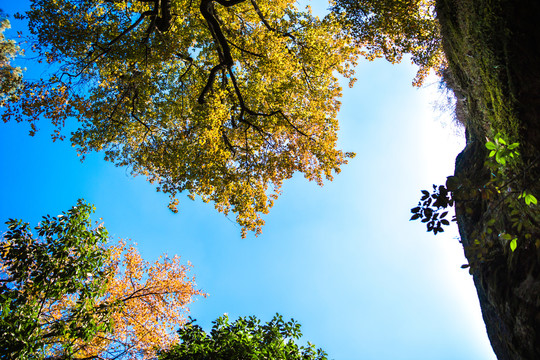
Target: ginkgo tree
{"points": [[65, 294], [222, 99]]}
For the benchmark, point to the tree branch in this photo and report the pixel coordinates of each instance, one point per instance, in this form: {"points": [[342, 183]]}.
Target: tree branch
{"points": [[229, 3], [263, 19], [210, 82], [244, 50]]}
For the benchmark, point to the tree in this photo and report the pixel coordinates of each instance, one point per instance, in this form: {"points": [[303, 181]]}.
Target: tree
{"points": [[245, 338], [393, 28], [10, 77], [153, 302], [224, 99], [66, 295], [67, 260]]}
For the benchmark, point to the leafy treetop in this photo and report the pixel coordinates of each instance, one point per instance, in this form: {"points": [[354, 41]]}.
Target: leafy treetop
{"points": [[392, 28], [223, 99], [150, 301], [67, 259], [245, 338]]}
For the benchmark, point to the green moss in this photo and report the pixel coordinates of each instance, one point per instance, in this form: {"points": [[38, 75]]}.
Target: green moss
{"points": [[475, 44]]}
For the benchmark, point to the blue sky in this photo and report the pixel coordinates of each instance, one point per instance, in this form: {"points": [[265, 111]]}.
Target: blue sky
{"points": [[343, 260]]}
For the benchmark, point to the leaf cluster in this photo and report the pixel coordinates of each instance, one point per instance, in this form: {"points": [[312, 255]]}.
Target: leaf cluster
{"points": [[65, 261], [510, 213], [501, 151], [10, 76], [431, 208], [245, 338], [509, 191], [394, 28]]}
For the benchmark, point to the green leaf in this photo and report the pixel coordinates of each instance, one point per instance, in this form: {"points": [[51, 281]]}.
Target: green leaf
{"points": [[501, 141], [513, 146], [530, 199], [490, 146], [500, 158], [513, 244]]}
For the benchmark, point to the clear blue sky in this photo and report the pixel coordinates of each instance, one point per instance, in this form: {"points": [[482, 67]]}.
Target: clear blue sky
{"points": [[343, 260]]}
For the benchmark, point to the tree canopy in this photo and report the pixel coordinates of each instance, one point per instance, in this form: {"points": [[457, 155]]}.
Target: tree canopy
{"points": [[245, 338], [65, 294], [223, 99], [393, 28]]}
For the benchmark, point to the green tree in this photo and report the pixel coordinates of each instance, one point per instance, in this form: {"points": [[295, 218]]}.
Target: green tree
{"points": [[67, 259], [393, 28], [224, 99], [245, 338], [10, 76]]}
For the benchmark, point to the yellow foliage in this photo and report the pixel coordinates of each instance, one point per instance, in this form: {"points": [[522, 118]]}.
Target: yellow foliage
{"points": [[226, 104], [394, 28]]}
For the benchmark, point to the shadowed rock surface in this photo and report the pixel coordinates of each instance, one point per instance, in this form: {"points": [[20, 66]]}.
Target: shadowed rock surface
{"points": [[494, 69]]}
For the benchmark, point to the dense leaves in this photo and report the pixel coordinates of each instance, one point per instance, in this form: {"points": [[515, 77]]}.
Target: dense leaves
{"points": [[10, 76], [393, 28], [220, 99], [65, 295], [66, 260], [245, 338], [150, 303]]}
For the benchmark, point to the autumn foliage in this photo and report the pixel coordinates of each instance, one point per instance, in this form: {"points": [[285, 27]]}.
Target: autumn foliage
{"points": [[218, 99], [394, 28], [65, 294], [150, 303]]}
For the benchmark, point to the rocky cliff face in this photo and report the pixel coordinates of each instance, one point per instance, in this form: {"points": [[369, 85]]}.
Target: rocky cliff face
{"points": [[507, 283], [494, 69]]}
